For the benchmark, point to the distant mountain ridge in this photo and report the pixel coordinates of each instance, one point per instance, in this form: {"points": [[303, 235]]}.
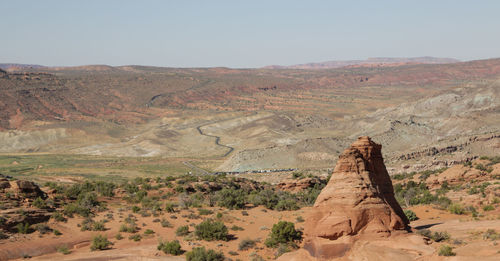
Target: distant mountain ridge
{"points": [[7, 66], [370, 62]]}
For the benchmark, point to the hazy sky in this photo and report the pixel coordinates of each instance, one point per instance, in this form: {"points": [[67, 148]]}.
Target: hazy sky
{"points": [[243, 33]]}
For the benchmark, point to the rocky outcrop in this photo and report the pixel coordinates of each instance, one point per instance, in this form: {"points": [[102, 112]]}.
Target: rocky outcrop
{"points": [[21, 189], [358, 201], [16, 197], [297, 185]]}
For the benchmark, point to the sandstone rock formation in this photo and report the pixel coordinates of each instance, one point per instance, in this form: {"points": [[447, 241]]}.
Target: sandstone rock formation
{"points": [[21, 189], [16, 197], [358, 202], [297, 185]]}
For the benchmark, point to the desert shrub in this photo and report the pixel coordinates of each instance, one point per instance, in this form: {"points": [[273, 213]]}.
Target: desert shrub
{"points": [[298, 175], [246, 244], [491, 234], [59, 217], [148, 232], [445, 250], [237, 228], [436, 236], [64, 250], [39, 203], [98, 226], [91, 225], [131, 228], [231, 198], [440, 236], [170, 247], [488, 208], [170, 207], [182, 231], [456, 209], [100, 242], [43, 228], [471, 210], [57, 232], [299, 219], [481, 167], [286, 204], [410, 215], [23, 228], [201, 254], [425, 233], [203, 212], [308, 197], [281, 249], [136, 209], [118, 236], [135, 237], [283, 232], [211, 230], [233, 253], [105, 189], [165, 223]]}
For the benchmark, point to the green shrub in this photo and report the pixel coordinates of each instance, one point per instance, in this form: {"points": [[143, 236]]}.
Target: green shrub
{"points": [[299, 219], [23, 228], [132, 228], [39, 203], [165, 223], [456, 209], [283, 232], [182, 231], [98, 226], [445, 250], [170, 247], [425, 233], [43, 228], [201, 254], [211, 230], [59, 217], [136, 209], [100, 242], [282, 248], [410, 215], [237, 228], [57, 232], [440, 236], [488, 208], [64, 250], [118, 236], [170, 207], [204, 212], [231, 198], [491, 234], [135, 237], [148, 232], [286, 204], [246, 244]]}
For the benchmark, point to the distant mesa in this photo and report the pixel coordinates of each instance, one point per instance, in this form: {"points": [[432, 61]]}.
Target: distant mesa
{"points": [[19, 66], [370, 62]]}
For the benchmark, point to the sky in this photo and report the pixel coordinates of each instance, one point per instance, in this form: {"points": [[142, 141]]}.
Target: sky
{"points": [[243, 34]]}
